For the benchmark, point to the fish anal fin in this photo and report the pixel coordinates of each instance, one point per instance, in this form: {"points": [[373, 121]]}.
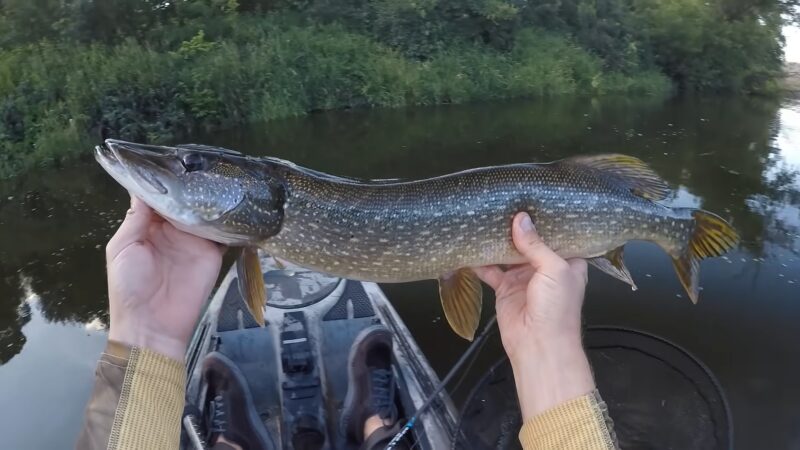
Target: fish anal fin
{"points": [[462, 299], [251, 282], [613, 264], [630, 171]]}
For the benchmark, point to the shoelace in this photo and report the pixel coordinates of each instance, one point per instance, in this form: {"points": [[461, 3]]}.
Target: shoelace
{"points": [[217, 413], [383, 393]]}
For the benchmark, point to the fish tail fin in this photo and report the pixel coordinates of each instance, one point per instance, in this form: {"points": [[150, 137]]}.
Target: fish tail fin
{"points": [[711, 236]]}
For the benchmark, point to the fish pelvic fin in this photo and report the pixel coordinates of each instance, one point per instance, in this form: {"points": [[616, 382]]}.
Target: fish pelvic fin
{"points": [[613, 264], [712, 236], [462, 299], [632, 172], [251, 282]]}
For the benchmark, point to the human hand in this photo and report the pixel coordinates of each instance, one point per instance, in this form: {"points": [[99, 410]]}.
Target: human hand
{"points": [[539, 316], [159, 278]]}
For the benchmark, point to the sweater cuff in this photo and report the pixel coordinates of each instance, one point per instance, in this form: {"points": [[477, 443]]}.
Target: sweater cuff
{"points": [[151, 402], [581, 423]]}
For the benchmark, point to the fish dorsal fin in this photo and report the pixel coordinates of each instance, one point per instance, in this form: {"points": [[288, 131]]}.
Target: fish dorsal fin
{"points": [[631, 171], [462, 298]]}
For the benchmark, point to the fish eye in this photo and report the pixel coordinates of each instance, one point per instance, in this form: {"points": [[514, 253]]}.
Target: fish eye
{"points": [[193, 162]]}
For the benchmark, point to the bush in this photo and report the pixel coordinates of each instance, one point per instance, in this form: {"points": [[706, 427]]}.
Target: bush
{"points": [[694, 45], [70, 74]]}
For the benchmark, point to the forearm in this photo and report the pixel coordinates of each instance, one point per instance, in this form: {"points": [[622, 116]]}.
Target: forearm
{"points": [[136, 402], [561, 408]]}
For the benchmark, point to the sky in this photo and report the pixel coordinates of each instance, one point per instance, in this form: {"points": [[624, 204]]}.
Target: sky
{"points": [[792, 48]]}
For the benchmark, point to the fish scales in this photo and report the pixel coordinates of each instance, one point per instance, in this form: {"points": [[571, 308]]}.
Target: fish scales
{"points": [[585, 207], [418, 230]]}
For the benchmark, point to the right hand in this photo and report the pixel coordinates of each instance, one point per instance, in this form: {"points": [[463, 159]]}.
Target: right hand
{"points": [[539, 316], [159, 278]]}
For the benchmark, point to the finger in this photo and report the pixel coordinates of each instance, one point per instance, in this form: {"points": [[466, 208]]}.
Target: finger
{"points": [[579, 266], [133, 229], [519, 275], [491, 275], [530, 244]]}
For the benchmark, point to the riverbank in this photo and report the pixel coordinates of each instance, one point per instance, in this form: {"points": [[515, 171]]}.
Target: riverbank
{"points": [[790, 80], [140, 94], [73, 74]]}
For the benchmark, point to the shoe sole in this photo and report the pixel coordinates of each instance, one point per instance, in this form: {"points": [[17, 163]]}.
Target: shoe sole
{"points": [[257, 426], [349, 398]]}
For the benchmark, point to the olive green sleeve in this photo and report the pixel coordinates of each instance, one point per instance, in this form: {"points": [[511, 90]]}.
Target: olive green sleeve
{"points": [[136, 402], [579, 424]]}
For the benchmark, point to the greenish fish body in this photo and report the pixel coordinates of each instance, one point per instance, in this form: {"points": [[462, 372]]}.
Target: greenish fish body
{"points": [[396, 232], [390, 231]]}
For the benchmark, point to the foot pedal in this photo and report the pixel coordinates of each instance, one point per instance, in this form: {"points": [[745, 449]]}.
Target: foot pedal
{"points": [[354, 294]]}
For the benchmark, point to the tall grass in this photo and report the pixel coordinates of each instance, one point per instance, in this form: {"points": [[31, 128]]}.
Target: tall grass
{"points": [[57, 99]]}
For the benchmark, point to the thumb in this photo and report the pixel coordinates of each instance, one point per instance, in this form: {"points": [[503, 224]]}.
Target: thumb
{"points": [[530, 244], [133, 229]]}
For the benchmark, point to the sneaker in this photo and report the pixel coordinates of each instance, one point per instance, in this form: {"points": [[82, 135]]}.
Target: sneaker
{"points": [[371, 386], [231, 412]]}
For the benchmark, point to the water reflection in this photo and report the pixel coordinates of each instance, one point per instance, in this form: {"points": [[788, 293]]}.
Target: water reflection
{"points": [[54, 225], [737, 157], [14, 314]]}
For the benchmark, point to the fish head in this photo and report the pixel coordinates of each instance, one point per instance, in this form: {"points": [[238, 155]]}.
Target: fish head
{"points": [[210, 192]]}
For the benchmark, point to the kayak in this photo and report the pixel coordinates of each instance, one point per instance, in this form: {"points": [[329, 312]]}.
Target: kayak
{"points": [[296, 371], [296, 365]]}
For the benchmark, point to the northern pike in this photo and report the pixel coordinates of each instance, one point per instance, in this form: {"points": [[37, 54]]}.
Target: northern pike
{"points": [[435, 228]]}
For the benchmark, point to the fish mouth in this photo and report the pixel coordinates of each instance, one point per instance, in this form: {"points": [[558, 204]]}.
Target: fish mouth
{"points": [[149, 166]]}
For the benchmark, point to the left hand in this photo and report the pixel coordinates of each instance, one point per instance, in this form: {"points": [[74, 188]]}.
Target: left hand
{"points": [[539, 316], [159, 279]]}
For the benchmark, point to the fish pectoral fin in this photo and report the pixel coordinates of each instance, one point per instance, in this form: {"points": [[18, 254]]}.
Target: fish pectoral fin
{"points": [[613, 264], [462, 298], [251, 282], [630, 171], [278, 263]]}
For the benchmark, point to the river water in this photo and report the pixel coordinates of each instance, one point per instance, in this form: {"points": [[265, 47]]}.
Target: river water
{"points": [[737, 157]]}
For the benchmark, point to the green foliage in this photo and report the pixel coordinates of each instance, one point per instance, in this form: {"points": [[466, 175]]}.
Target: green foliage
{"points": [[692, 45], [75, 71], [197, 45]]}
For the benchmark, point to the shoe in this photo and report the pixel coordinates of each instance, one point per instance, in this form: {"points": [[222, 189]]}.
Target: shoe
{"points": [[231, 412], [371, 387]]}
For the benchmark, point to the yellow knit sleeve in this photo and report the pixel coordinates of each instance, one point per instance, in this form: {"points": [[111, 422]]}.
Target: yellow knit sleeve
{"points": [[148, 414], [579, 424]]}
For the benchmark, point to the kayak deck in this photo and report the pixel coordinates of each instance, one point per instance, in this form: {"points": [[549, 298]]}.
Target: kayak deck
{"points": [[296, 365]]}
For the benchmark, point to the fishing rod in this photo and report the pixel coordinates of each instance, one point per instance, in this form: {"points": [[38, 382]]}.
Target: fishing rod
{"points": [[476, 344]]}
